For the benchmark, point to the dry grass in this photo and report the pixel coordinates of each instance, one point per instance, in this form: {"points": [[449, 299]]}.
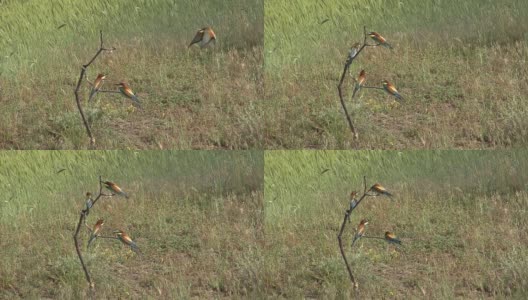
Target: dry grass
{"points": [[464, 236], [192, 98], [197, 218], [463, 81]]}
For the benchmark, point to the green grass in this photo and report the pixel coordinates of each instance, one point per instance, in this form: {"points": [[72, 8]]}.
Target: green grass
{"points": [[460, 65], [461, 216], [192, 99], [196, 216]]}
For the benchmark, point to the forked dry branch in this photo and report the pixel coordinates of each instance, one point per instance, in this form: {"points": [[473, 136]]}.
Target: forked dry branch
{"points": [[353, 205], [82, 75]]}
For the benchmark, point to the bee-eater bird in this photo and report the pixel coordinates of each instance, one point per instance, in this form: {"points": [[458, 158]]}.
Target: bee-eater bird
{"points": [[360, 231], [389, 88], [360, 81], [380, 190], [354, 51], [204, 36], [89, 201], [353, 200], [95, 231], [125, 239], [391, 238], [114, 188], [379, 39], [127, 92], [97, 84]]}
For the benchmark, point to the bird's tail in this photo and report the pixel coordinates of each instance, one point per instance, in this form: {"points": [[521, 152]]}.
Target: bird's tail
{"points": [[92, 94], [92, 238], [135, 248], [136, 102], [354, 241]]}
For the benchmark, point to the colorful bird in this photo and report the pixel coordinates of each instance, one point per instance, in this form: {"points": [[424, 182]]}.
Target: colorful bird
{"points": [[353, 200], [89, 202], [354, 51], [360, 231], [127, 92], [125, 239], [379, 39], [95, 231], [115, 188], [380, 190], [389, 88], [97, 84], [360, 81], [204, 36], [391, 238]]}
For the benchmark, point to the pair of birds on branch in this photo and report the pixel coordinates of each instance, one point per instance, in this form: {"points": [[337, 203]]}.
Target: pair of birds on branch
{"points": [[124, 89], [203, 38], [114, 188], [360, 81], [120, 234], [387, 86], [378, 190], [362, 227]]}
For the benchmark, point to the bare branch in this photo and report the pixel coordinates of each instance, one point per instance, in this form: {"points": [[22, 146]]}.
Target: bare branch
{"points": [[342, 79], [78, 249], [77, 88]]}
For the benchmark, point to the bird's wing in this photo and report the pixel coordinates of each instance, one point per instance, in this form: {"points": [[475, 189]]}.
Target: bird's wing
{"points": [[197, 37], [392, 89]]}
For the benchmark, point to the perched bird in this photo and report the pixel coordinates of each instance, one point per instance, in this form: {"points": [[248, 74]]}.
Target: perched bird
{"points": [[89, 202], [389, 88], [360, 231], [125, 239], [97, 84], [353, 200], [204, 36], [114, 188], [354, 51], [391, 238], [379, 39], [127, 92], [95, 231], [380, 190], [360, 81]]}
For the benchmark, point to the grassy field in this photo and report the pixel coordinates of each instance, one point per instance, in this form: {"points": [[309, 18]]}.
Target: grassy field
{"points": [[192, 98], [462, 217], [196, 216], [460, 65]]}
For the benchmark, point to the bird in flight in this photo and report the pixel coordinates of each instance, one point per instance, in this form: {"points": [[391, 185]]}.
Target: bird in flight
{"points": [[204, 37]]}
